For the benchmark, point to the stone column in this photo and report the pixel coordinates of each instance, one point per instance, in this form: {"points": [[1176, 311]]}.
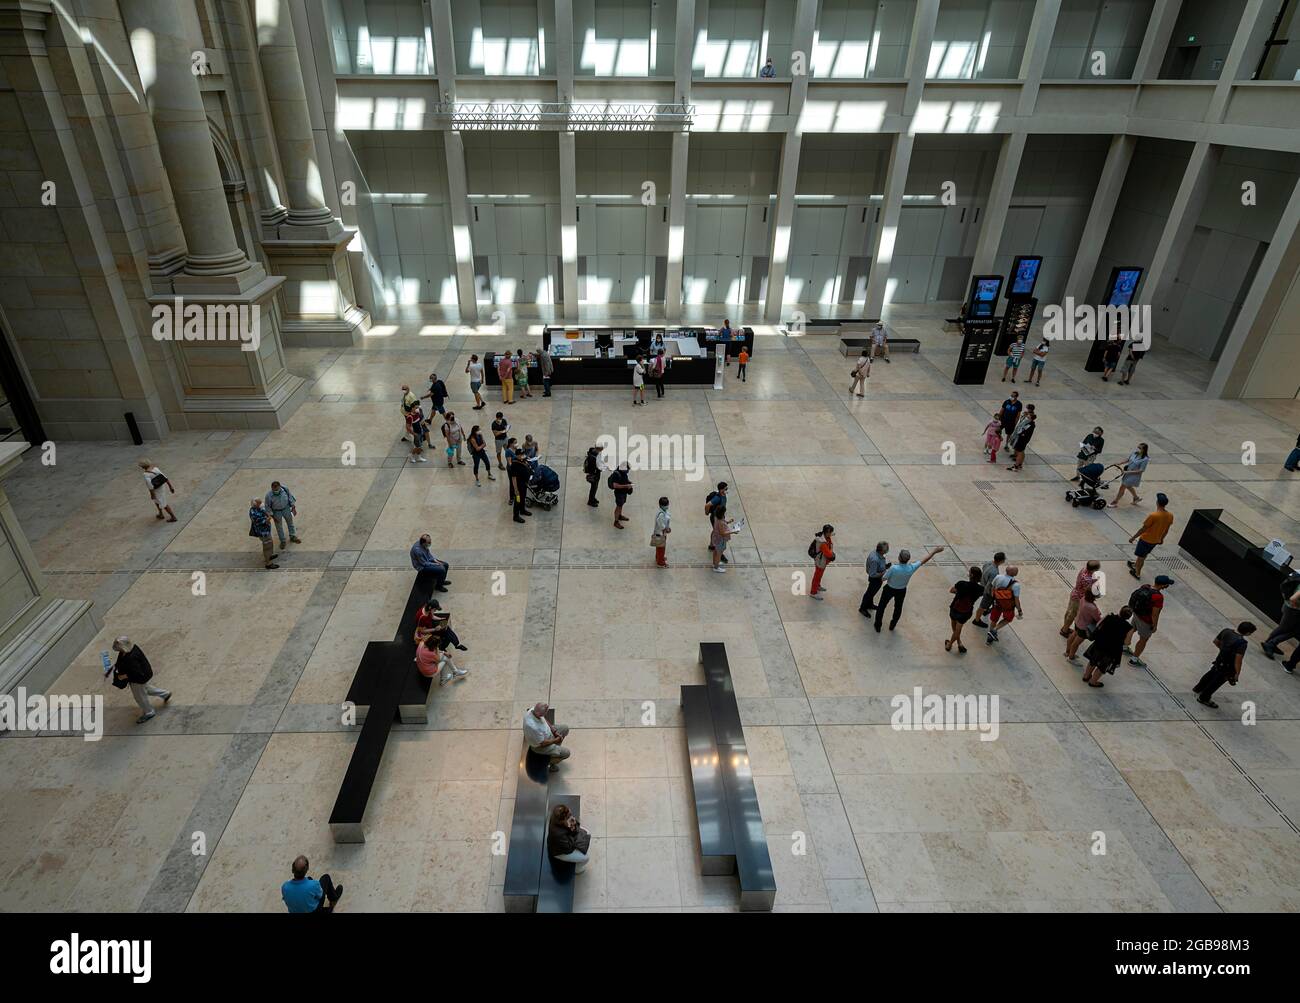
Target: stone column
{"points": [[886, 234], [676, 225], [1109, 185], [1244, 53], [1041, 29], [569, 224], [457, 184], [1177, 232], [782, 224], [998, 204], [918, 54], [310, 246], [1155, 43]]}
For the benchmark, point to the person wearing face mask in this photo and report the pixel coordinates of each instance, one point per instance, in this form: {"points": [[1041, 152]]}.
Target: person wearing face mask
{"points": [[259, 520]]}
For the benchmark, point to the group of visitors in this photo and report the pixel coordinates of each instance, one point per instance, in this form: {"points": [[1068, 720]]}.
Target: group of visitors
{"points": [[434, 642], [1037, 360], [1012, 425], [278, 506]]}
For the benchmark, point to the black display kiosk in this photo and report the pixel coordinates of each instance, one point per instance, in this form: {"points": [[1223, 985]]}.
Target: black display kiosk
{"points": [[1021, 305], [979, 330], [1121, 290], [1226, 547]]}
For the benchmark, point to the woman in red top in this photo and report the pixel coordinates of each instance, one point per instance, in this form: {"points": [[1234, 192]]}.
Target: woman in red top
{"points": [[824, 554]]}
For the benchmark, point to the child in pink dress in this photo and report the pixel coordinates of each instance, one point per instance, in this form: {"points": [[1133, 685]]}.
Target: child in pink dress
{"points": [[993, 437]]}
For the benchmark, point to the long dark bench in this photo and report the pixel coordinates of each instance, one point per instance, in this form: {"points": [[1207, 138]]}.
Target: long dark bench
{"points": [[386, 688], [534, 882], [850, 345], [727, 813]]}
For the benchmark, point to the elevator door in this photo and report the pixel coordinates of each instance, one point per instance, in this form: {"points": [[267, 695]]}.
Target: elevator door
{"points": [[813, 271], [916, 249], [712, 267], [613, 239]]}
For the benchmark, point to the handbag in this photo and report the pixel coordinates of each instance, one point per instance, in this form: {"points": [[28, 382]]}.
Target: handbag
{"points": [[158, 480], [657, 539]]}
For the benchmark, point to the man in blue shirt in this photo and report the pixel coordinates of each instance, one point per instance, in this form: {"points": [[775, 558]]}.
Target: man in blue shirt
{"points": [[896, 578], [304, 894], [282, 506], [260, 526], [423, 560], [768, 71]]}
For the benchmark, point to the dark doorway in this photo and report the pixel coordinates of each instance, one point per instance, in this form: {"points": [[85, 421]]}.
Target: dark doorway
{"points": [[18, 417], [1181, 62]]}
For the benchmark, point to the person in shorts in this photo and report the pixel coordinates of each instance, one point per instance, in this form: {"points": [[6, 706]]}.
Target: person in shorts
{"points": [[475, 370], [1014, 354], [1038, 361], [1146, 621], [965, 595]]}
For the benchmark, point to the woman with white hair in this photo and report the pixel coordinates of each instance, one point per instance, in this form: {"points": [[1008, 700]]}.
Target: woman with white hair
{"points": [[157, 480], [259, 525], [132, 670]]}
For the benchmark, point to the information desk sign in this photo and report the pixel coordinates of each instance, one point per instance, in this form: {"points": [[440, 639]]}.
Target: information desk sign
{"points": [[979, 336]]}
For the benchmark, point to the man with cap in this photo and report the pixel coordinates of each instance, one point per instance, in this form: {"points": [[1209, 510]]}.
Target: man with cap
{"points": [[1146, 602], [1153, 532], [133, 671]]}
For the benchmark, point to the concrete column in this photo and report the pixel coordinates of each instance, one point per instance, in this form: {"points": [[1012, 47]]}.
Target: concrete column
{"points": [[1155, 43], [564, 49], [782, 223], [163, 57], [1041, 29], [918, 54], [569, 223], [1078, 285], [1244, 55], [1262, 353], [684, 48], [999, 202], [277, 50], [676, 225], [457, 183], [805, 26], [882, 252], [1183, 214]]}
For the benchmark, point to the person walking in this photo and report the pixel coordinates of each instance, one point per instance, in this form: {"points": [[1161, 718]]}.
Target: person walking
{"points": [[1006, 602], [437, 396], [896, 579], [500, 429], [547, 366], [715, 499], [1083, 582], [659, 538], [965, 594], [157, 480], [260, 526], [1133, 470], [1014, 354], [1130, 364], [724, 340], [1226, 667], [988, 572], [1155, 527], [658, 367], [506, 373], [307, 894], [409, 404], [1085, 623], [544, 738], [453, 433], [859, 373], [520, 472], [1024, 431], [742, 362], [1292, 462], [591, 470], [877, 565], [720, 534], [1111, 358], [1107, 648], [638, 381], [1146, 602], [1089, 450], [479, 454], [880, 341], [282, 507], [417, 428], [822, 551], [993, 437], [1010, 414], [1038, 362], [475, 370], [620, 482], [422, 559], [1288, 625], [522, 364], [132, 671]]}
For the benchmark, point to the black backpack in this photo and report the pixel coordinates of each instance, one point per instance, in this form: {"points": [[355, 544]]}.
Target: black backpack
{"points": [[610, 482], [589, 464], [1140, 600], [708, 502], [812, 548]]}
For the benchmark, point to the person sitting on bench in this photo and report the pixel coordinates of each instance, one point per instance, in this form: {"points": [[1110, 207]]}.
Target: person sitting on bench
{"points": [[422, 559], [544, 738], [567, 840], [304, 894], [432, 660], [431, 614]]}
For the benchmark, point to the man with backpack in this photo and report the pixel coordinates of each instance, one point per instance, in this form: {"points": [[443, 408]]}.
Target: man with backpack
{"points": [[822, 551], [1226, 668], [1006, 602], [437, 395], [1146, 602], [282, 506], [453, 432], [591, 470], [713, 500], [989, 572]]}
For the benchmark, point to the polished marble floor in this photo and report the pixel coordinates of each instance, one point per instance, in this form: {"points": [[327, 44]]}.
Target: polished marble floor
{"points": [[1198, 810]]}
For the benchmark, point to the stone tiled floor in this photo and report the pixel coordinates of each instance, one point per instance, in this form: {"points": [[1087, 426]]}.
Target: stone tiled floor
{"points": [[1197, 809]]}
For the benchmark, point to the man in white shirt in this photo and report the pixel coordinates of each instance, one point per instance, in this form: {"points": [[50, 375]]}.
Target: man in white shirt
{"points": [[544, 738], [1006, 602], [881, 340]]}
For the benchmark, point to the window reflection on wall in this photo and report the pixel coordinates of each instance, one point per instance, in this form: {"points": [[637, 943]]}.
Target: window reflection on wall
{"points": [[381, 37]]}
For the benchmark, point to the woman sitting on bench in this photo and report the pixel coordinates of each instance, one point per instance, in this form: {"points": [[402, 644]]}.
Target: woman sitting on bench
{"points": [[567, 840]]}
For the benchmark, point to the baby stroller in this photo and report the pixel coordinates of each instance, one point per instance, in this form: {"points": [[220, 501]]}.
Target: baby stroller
{"points": [[543, 486], [1090, 487]]}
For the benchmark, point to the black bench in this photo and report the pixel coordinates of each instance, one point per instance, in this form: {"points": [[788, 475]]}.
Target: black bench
{"points": [[529, 870], [387, 687], [722, 783], [850, 345], [558, 878]]}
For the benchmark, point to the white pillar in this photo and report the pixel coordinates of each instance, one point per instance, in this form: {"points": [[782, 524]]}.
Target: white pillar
{"points": [[782, 224], [684, 48], [457, 184], [998, 204], [1247, 48], [564, 49], [1109, 186], [918, 54], [1177, 232], [882, 253], [569, 223], [1155, 43], [676, 226], [1041, 30]]}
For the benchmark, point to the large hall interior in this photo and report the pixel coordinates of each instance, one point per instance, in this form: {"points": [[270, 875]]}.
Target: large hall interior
{"points": [[256, 252]]}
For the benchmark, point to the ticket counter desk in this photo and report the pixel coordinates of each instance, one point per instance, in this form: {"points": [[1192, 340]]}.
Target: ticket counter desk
{"points": [[1228, 549]]}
